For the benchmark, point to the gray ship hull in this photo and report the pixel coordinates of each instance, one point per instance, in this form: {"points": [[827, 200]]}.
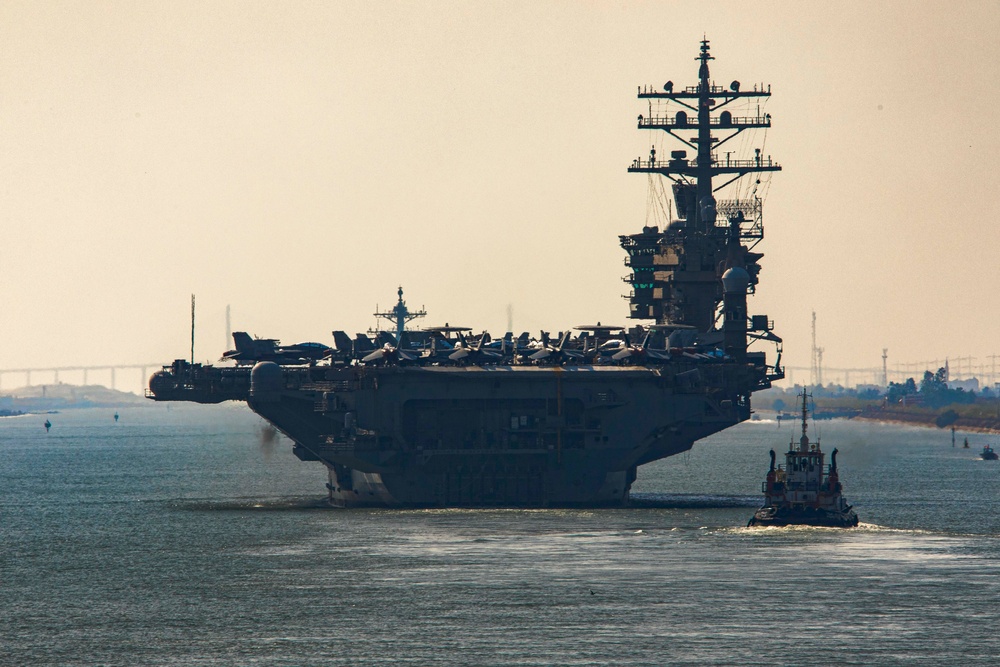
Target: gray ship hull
{"points": [[480, 436], [455, 436]]}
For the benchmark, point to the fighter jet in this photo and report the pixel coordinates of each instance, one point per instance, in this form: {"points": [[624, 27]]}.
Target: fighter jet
{"points": [[555, 354], [392, 351], [474, 354], [250, 350], [643, 353]]}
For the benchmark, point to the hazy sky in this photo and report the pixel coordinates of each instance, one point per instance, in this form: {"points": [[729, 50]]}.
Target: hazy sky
{"points": [[300, 160]]}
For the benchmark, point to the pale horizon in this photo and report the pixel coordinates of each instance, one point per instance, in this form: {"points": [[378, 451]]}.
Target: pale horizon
{"points": [[299, 162]]}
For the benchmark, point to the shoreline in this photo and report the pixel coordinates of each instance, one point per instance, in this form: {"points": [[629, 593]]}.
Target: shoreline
{"points": [[965, 424]]}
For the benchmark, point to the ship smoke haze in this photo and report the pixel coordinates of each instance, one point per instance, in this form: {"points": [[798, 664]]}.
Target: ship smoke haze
{"points": [[267, 438]]}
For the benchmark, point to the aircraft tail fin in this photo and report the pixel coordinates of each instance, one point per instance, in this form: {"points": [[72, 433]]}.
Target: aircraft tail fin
{"points": [[243, 341], [363, 343], [342, 341]]}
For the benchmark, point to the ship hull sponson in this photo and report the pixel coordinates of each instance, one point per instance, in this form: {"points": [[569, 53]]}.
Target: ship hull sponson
{"points": [[507, 436]]}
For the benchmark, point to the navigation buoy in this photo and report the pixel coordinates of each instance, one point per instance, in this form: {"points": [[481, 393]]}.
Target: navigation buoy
{"points": [[48, 425], [116, 417]]}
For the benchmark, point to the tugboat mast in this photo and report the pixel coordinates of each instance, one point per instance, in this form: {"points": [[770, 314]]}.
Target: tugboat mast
{"points": [[804, 441]]}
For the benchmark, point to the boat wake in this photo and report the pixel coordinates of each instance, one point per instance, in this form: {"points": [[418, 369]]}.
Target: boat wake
{"points": [[687, 500], [295, 503]]}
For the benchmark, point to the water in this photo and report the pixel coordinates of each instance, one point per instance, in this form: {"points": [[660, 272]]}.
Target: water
{"points": [[188, 537]]}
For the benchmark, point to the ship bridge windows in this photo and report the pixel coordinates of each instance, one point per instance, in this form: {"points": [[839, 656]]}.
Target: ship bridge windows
{"points": [[803, 464], [641, 278], [641, 251]]}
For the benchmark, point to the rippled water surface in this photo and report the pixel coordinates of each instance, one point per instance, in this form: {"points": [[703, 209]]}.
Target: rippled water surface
{"points": [[189, 537]]}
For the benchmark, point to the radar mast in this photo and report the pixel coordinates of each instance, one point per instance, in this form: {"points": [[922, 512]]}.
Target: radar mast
{"points": [[677, 272], [400, 315]]}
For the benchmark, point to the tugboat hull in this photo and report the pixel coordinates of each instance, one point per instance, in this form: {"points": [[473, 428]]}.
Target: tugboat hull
{"points": [[775, 516]]}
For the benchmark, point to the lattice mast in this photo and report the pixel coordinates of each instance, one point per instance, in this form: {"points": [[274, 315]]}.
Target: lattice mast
{"points": [[676, 273], [400, 315]]}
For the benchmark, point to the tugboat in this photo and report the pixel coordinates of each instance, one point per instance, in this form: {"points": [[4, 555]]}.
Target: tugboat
{"points": [[798, 493], [988, 454]]}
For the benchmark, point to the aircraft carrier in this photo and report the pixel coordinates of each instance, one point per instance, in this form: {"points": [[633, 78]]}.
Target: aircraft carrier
{"points": [[436, 417]]}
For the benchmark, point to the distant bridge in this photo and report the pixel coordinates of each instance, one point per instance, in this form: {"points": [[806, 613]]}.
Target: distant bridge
{"points": [[106, 375]]}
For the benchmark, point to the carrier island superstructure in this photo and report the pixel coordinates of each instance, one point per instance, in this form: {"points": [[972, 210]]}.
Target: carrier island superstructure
{"points": [[435, 418]]}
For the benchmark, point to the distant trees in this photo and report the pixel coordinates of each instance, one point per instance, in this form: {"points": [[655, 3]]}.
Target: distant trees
{"points": [[933, 391], [937, 394], [934, 383], [898, 390]]}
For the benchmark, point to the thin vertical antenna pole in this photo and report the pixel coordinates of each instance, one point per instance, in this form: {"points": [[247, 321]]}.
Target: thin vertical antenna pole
{"points": [[192, 329], [814, 370], [229, 329]]}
